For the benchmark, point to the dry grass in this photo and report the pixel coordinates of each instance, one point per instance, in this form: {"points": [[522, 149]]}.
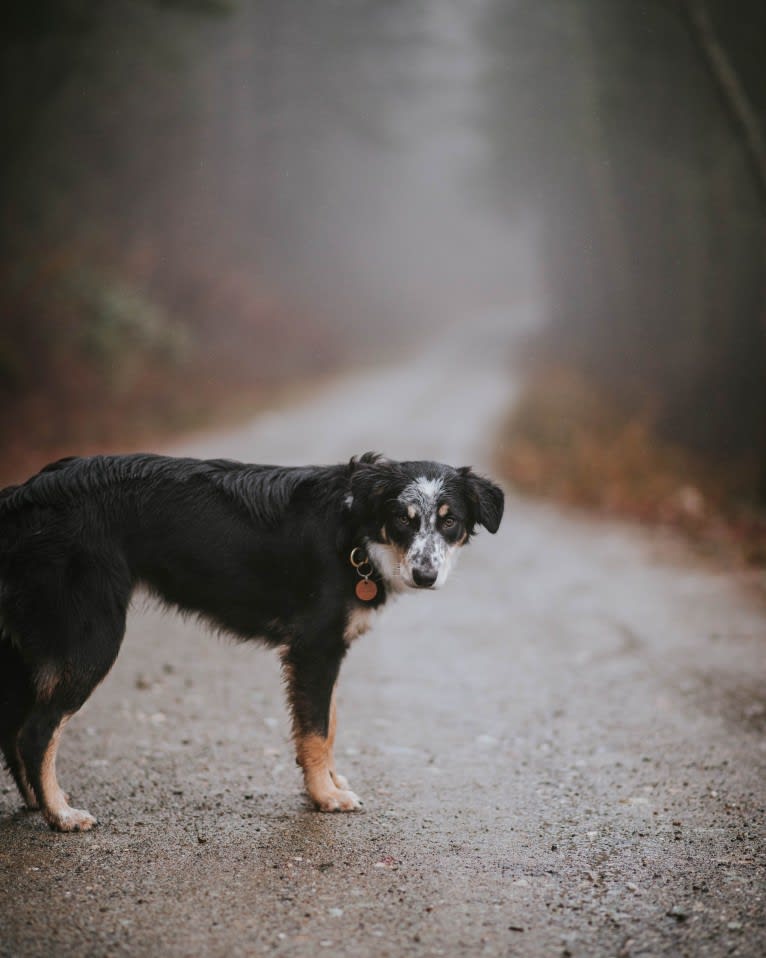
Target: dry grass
{"points": [[567, 441]]}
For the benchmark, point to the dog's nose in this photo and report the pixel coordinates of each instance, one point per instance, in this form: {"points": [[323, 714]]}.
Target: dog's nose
{"points": [[423, 580]]}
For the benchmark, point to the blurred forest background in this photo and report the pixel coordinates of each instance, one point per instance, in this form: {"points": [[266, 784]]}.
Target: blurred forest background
{"points": [[207, 201]]}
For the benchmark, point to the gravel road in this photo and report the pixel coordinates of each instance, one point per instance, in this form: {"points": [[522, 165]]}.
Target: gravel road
{"points": [[562, 753]]}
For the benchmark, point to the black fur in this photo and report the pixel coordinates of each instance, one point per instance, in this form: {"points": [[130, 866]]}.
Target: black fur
{"points": [[262, 552]]}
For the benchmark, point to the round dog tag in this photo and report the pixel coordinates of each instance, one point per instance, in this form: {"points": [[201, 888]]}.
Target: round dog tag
{"points": [[366, 590]]}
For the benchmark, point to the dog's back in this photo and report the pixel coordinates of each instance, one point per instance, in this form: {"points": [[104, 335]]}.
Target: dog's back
{"points": [[74, 542], [216, 537]]}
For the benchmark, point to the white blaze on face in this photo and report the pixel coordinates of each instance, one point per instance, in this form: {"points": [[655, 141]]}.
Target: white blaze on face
{"points": [[426, 492], [428, 553]]}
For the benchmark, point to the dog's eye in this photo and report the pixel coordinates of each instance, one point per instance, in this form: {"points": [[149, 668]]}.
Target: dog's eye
{"points": [[448, 522], [404, 519]]}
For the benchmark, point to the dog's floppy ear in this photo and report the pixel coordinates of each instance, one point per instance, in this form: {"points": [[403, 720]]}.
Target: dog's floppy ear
{"points": [[485, 499]]}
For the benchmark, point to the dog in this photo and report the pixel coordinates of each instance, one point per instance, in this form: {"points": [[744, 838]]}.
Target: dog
{"points": [[294, 557]]}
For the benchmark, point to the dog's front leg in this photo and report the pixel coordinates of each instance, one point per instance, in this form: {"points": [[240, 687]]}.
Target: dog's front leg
{"points": [[311, 682]]}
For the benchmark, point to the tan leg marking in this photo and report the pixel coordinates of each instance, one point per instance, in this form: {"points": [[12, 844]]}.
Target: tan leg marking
{"points": [[56, 809], [314, 758], [314, 753]]}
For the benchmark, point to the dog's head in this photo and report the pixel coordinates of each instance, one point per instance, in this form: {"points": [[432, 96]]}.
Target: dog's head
{"points": [[413, 517]]}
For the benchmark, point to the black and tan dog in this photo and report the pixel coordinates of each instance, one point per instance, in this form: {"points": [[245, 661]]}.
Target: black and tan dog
{"points": [[293, 557]]}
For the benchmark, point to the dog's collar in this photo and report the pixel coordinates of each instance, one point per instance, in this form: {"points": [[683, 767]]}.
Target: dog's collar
{"points": [[366, 589]]}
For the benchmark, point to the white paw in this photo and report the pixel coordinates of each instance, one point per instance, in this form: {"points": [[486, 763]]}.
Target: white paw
{"points": [[340, 781], [70, 820], [337, 800]]}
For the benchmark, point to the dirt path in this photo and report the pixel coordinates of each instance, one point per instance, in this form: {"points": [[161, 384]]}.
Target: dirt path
{"points": [[560, 754]]}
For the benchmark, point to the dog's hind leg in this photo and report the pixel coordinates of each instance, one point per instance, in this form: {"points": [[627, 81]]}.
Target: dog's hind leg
{"points": [[91, 626], [311, 676], [38, 744], [61, 691]]}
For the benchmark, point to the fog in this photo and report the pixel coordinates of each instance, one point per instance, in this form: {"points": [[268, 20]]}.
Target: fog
{"points": [[202, 199], [337, 149]]}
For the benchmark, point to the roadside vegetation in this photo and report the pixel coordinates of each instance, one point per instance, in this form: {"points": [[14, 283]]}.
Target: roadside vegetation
{"points": [[138, 290], [570, 441], [95, 356]]}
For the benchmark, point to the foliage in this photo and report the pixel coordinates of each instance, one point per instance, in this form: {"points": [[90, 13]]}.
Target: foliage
{"points": [[570, 440], [121, 327]]}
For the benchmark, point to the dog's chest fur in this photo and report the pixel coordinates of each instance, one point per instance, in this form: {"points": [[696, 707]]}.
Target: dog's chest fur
{"points": [[358, 622]]}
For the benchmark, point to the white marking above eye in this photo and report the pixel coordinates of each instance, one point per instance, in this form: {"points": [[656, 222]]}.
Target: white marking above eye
{"points": [[422, 495], [429, 489]]}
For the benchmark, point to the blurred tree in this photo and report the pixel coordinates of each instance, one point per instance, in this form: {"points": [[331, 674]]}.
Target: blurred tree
{"points": [[79, 334], [180, 189], [58, 63], [614, 127], [739, 73]]}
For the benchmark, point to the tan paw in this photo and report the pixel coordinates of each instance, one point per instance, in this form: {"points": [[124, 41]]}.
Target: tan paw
{"points": [[337, 800], [70, 820]]}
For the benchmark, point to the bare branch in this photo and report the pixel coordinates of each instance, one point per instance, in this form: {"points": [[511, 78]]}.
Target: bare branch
{"points": [[729, 84]]}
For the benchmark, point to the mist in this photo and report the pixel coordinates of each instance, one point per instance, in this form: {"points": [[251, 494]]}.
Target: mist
{"points": [[204, 201]]}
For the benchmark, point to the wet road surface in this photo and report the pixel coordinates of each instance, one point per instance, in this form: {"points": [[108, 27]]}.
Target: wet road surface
{"points": [[562, 753]]}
